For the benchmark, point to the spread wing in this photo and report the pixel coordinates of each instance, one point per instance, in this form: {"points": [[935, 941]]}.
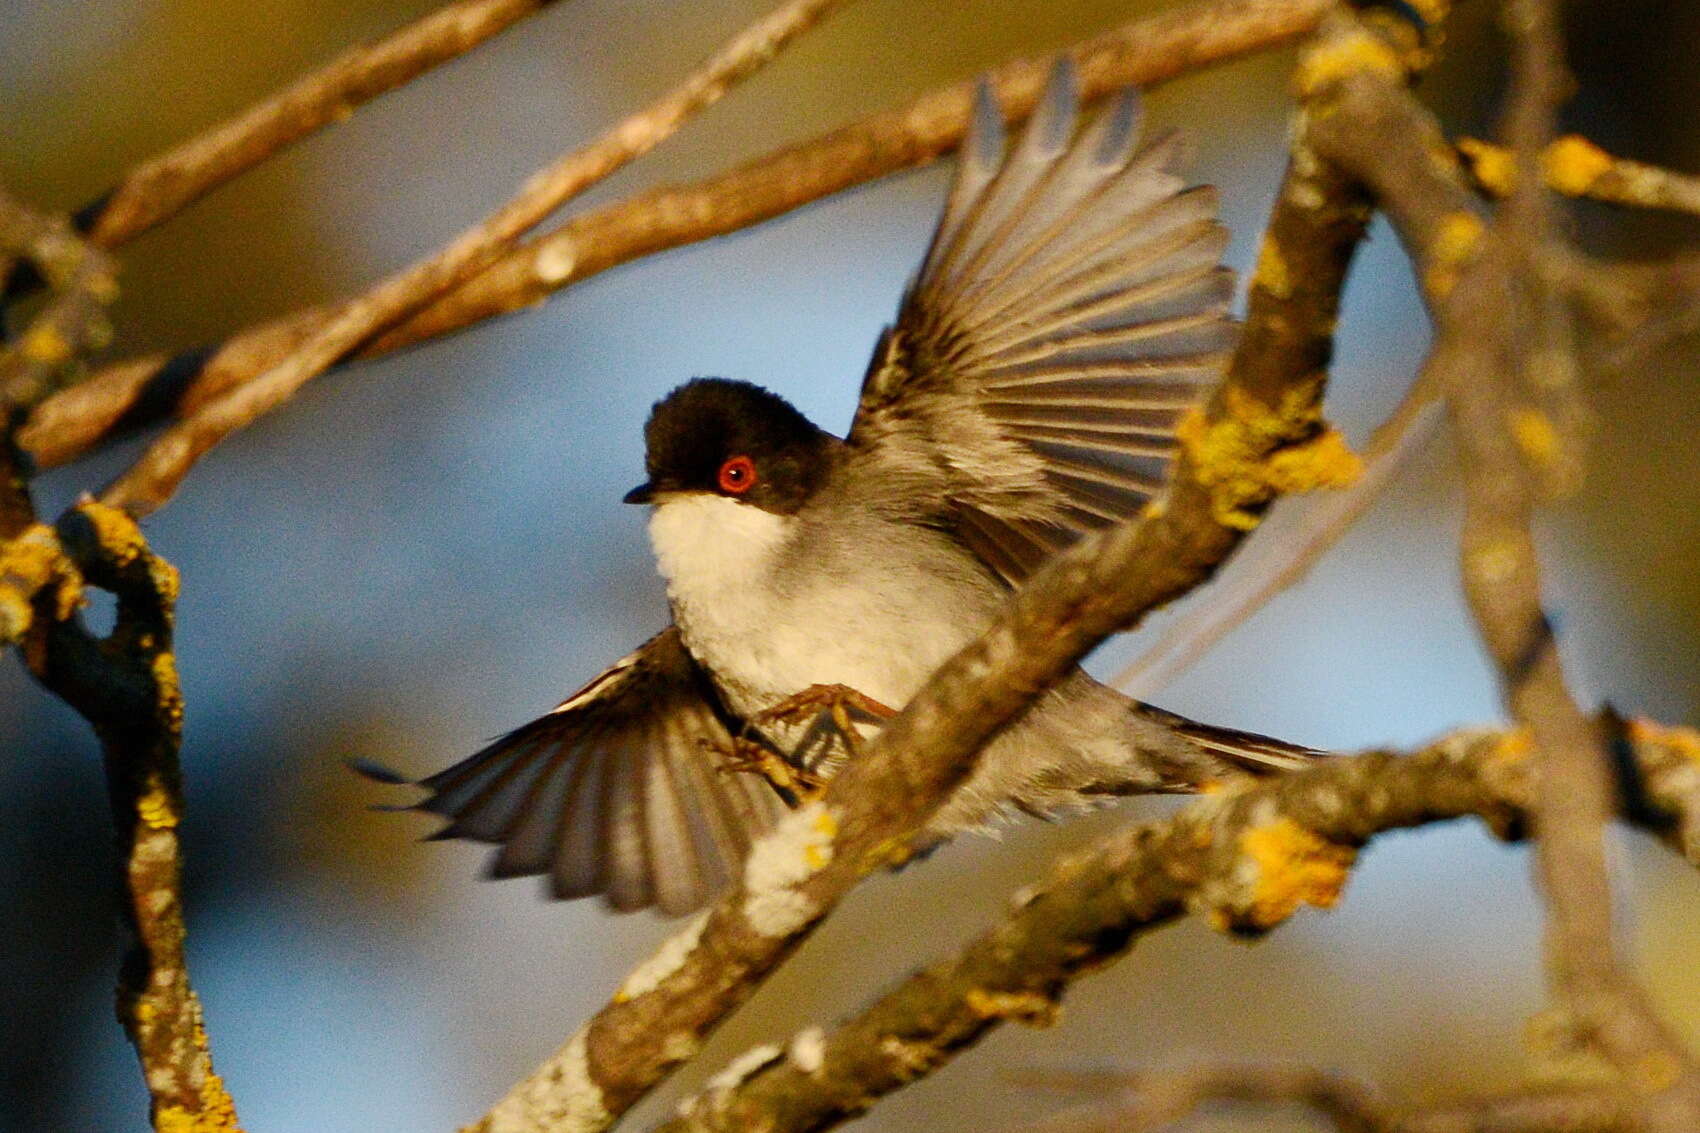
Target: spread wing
{"points": [[617, 792], [1070, 309]]}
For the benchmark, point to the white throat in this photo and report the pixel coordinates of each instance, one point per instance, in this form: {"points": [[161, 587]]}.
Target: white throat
{"points": [[714, 553]]}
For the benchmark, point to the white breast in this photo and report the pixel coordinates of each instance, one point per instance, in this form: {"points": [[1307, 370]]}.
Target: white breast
{"points": [[771, 607]]}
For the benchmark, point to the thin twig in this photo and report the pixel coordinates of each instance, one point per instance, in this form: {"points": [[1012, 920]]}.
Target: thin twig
{"points": [[163, 185], [1576, 167], [154, 477], [139, 392], [1245, 861]]}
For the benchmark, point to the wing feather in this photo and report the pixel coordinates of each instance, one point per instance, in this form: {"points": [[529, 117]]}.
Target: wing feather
{"points": [[1070, 309], [616, 792]]}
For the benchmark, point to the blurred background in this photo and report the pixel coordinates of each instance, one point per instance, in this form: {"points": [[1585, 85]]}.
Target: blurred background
{"points": [[425, 550]]}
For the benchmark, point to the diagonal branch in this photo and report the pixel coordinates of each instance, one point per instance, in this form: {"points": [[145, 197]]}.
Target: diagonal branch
{"points": [[1245, 861], [139, 392], [1261, 435], [154, 478], [165, 184], [1576, 167]]}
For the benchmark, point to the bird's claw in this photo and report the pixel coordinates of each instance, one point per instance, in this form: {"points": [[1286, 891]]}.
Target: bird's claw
{"points": [[838, 700], [793, 783]]}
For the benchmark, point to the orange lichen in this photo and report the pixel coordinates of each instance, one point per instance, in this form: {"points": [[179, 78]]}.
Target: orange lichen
{"points": [[1536, 435], [1494, 167], [1273, 275], [1294, 867]]}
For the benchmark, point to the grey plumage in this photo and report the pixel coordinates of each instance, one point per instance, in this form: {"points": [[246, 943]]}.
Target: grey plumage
{"points": [[1069, 310]]}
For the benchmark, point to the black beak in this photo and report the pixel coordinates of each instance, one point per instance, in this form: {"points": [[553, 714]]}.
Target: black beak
{"points": [[642, 494]]}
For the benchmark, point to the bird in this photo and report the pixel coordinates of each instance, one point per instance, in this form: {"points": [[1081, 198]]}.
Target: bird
{"points": [[1070, 309]]}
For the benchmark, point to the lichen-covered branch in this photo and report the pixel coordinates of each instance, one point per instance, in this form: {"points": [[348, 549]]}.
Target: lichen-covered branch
{"points": [[1245, 860], [163, 185], [126, 686], [74, 319], [138, 392], [1505, 358], [1263, 435], [1576, 167], [154, 478]]}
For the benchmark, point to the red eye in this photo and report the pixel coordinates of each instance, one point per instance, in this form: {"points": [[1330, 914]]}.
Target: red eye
{"points": [[737, 475]]}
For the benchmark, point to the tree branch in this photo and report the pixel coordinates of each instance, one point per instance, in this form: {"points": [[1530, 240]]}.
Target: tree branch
{"points": [[74, 320], [154, 478], [1245, 860], [1576, 167], [135, 393], [1497, 315], [1261, 435], [164, 185]]}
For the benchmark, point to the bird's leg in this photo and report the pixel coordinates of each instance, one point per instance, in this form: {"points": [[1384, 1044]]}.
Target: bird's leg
{"points": [[754, 755], [836, 700]]}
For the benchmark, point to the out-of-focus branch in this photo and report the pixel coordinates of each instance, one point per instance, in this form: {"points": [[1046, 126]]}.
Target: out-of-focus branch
{"points": [[1149, 1101], [164, 184], [139, 392], [73, 321], [125, 684], [154, 478], [1504, 357], [1576, 167], [1246, 860], [1158, 1100]]}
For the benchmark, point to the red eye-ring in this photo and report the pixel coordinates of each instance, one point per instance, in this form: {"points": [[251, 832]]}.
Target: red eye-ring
{"points": [[737, 475]]}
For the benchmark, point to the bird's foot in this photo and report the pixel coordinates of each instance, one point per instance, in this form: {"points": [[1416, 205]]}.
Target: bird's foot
{"points": [[843, 703], [794, 784]]}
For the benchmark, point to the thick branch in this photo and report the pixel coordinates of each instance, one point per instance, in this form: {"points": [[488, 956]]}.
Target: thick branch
{"points": [[163, 185], [135, 393], [1496, 314], [126, 686], [1245, 860]]}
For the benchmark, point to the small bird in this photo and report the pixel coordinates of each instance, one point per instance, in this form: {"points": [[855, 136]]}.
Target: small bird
{"points": [[1070, 309]]}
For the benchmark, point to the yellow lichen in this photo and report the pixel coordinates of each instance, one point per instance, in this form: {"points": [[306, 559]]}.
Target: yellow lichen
{"points": [[168, 691], [1454, 243], [29, 563], [45, 345], [1244, 460], [817, 854], [156, 808], [1572, 164], [1030, 1007], [1535, 434], [115, 531], [1683, 741], [1272, 274], [1338, 57], [1493, 166], [1294, 867]]}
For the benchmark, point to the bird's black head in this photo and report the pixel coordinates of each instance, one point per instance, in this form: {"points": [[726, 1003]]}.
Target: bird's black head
{"points": [[736, 440]]}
